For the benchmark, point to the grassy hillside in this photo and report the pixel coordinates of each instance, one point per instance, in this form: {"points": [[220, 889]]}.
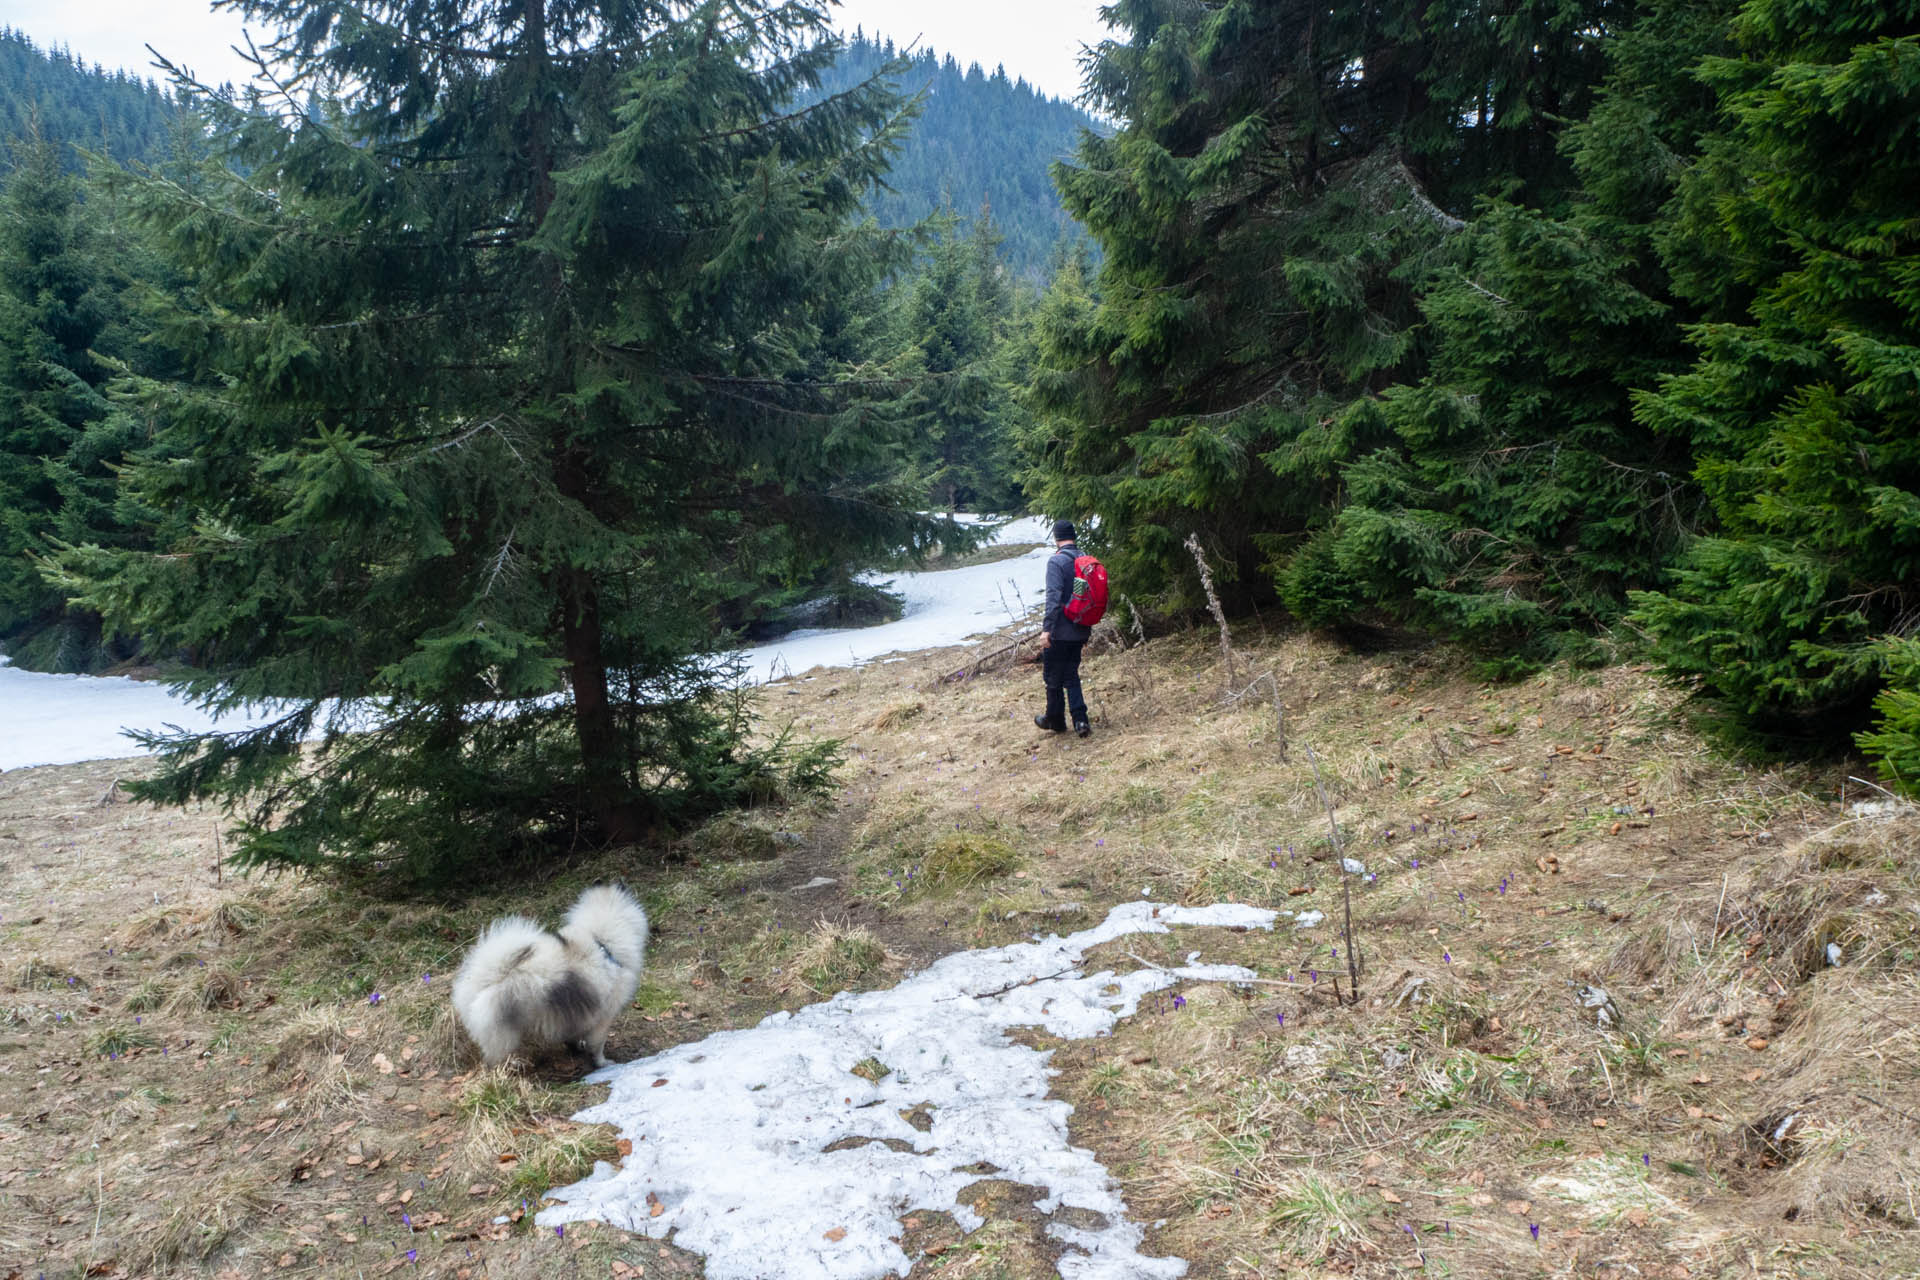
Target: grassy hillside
{"points": [[194, 1074]]}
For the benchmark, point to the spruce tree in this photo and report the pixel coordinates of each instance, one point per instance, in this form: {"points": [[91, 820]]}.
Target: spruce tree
{"points": [[55, 302], [1285, 184], [957, 325], [1518, 500], [1803, 405], [507, 367]]}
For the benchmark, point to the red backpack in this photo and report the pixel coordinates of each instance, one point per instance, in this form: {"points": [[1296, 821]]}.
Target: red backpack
{"points": [[1089, 602]]}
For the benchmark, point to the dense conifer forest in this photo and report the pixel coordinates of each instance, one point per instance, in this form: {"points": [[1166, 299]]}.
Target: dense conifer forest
{"points": [[55, 94], [982, 140], [1578, 333]]}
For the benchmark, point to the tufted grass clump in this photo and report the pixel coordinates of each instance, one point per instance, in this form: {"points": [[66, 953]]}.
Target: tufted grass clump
{"points": [[962, 859]]}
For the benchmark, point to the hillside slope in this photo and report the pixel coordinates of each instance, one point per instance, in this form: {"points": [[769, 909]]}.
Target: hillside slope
{"points": [[1536, 855]]}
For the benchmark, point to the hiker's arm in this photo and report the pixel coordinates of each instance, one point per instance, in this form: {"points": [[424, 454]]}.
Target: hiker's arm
{"points": [[1058, 587]]}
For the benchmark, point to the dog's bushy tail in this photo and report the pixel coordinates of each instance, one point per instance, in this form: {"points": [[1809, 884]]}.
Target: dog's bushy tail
{"points": [[610, 917], [504, 946], [499, 980]]}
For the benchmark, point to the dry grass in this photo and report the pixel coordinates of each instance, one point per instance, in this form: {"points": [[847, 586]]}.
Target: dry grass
{"points": [[1749, 1108], [203, 1221], [836, 957]]}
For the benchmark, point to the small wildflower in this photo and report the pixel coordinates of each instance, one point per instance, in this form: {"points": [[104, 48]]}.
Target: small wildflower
{"points": [[375, 998], [413, 1255], [1179, 1002], [1280, 1018], [1447, 956], [1535, 1228], [560, 1232], [426, 977]]}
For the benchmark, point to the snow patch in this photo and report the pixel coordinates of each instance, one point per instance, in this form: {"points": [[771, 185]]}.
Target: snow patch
{"points": [[58, 719], [940, 607], [731, 1134]]}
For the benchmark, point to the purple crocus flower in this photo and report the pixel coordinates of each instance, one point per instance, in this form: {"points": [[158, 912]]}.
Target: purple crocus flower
{"points": [[1535, 1228]]}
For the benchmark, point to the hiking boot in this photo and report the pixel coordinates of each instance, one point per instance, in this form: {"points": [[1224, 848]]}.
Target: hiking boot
{"points": [[1051, 726], [1081, 727]]}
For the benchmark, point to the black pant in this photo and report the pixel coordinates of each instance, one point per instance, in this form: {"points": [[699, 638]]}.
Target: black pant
{"points": [[1060, 667]]}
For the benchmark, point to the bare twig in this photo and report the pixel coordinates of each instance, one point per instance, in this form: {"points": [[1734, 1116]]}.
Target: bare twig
{"points": [[1258, 982], [1024, 982], [1346, 881], [1012, 617], [1272, 686]]}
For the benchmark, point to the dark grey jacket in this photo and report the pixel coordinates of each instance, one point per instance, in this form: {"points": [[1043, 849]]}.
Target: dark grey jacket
{"points": [[1059, 591]]}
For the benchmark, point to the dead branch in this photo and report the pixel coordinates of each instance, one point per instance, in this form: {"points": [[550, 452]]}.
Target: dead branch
{"points": [[1346, 881], [1213, 603]]}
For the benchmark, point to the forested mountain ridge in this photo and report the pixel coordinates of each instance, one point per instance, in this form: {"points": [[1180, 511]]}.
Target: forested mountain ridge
{"points": [[55, 93], [983, 140]]}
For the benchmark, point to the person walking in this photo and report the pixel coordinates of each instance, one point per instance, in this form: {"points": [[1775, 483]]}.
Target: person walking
{"points": [[1062, 639]]}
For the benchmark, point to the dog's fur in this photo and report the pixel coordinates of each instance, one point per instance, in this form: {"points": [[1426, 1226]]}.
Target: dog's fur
{"points": [[521, 983]]}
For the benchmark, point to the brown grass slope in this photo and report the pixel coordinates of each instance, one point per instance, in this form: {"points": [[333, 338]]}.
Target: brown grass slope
{"points": [[1627, 1009]]}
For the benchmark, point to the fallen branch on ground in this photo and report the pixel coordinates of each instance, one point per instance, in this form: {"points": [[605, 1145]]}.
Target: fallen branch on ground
{"points": [[973, 668]]}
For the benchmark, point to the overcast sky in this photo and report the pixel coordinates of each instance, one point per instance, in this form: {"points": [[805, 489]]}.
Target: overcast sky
{"points": [[1038, 39]]}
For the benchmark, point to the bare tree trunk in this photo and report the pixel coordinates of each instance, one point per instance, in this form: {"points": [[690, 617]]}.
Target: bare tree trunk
{"points": [[601, 760], [609, 797]]}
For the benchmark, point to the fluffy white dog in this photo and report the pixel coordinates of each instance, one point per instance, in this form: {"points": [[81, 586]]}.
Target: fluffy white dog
{"points": [[521, 983]]}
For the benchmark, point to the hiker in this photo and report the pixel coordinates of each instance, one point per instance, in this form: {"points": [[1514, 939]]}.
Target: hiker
{"points": [[1062, 639]]}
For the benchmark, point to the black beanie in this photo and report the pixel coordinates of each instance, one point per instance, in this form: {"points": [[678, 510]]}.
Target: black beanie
{"points": [[1063, 531]]}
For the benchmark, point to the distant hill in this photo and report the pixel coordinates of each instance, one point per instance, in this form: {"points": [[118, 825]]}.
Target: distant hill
{"points": [[88, 106], [980, 137]]}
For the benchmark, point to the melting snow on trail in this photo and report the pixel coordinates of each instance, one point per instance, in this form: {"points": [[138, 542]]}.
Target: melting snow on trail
{"points": [[937, 607], [731, 1133]]}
